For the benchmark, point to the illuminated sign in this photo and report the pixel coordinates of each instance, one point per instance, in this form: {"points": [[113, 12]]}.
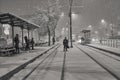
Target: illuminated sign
{"points": [[6, 29]]}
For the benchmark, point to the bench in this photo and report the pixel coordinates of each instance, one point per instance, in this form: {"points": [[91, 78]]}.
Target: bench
{"points": [[40, 44], [7, 51]]}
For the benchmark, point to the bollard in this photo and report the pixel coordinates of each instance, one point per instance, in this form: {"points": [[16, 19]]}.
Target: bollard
{"points": [[114, 43], [107, 42], [111, 43]]}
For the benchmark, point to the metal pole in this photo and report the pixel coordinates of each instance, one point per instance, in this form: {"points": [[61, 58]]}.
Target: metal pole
{"points": [[12, 34], [32, 33], [70, 15], [12, 25], [22, 35], [28, 33], [112, 27]]}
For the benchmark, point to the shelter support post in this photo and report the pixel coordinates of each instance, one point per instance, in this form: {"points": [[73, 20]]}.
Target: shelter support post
{"points": [[22, 35], [28, 34], [12, 35], [12, 25]]}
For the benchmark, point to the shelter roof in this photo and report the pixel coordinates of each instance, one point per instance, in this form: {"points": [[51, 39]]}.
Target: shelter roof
{"points": [[16, 21]]}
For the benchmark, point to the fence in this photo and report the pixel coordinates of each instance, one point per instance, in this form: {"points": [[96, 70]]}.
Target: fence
{"points": [[111, 42]]}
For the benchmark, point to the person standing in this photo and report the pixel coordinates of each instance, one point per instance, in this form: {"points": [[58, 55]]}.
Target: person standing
{"points": [[32, 43], [53, 39], [27, 43], [65, 44], [16, 39]]}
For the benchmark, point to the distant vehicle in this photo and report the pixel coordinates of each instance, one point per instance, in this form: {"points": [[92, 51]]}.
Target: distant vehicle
{"points": [[86, 38]]}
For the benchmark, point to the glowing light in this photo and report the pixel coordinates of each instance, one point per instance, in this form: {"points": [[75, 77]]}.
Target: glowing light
{"points": [[103, 21], [90, 27], [79, 41], [96, 32], [74, 16], [93, 39], [66, 29], [62, 14], [6, 29]]}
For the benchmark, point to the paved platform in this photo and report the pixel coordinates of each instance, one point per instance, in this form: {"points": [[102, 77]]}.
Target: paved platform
{"points": [[81, 67], [9, 63], [78, 66]]}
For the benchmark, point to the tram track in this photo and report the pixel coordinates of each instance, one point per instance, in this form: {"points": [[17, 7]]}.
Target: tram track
{"points": [[110, 52], [100, 62], [11, 73], [63, 67], [34, 67], [39, 64], [105, 53]]}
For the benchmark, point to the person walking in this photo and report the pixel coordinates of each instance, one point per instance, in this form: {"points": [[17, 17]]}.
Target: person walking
{"points": [[65, 44], [16, 39]]}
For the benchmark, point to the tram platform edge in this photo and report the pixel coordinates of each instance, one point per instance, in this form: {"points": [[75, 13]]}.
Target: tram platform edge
{"points": [[115, 51], [10, 65]]}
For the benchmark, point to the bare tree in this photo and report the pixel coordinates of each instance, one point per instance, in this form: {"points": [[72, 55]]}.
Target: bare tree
{"points": [[47, 20]]}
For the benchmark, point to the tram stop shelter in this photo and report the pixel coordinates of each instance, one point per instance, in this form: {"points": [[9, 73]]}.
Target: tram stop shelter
{"points": [[86, 35], [16, 21]]}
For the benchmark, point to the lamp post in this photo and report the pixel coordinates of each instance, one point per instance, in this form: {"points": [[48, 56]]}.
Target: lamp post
{"points": [[111, 28], [104, 23], [70, 16]]}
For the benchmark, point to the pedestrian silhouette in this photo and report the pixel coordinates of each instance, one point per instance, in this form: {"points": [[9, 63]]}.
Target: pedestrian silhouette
{"points": [[32, 43], [53, 39], [16, 40], [65, 44], [27, 43]]}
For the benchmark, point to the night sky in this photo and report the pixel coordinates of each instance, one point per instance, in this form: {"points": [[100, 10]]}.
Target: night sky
{"points": [[90, 14]]}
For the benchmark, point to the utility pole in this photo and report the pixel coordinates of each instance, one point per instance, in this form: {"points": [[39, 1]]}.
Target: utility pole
{"points": [[112, 34], [70, 16]]}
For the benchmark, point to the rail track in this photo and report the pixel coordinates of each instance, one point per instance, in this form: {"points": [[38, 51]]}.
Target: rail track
{"points": [[41, 66], [55, 64], [11, 73], [35, 64], [115, 57], [107, 62]]}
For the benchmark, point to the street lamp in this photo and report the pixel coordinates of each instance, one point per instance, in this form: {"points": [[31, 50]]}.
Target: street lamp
{"points": [[70, 16], [103, 21]]}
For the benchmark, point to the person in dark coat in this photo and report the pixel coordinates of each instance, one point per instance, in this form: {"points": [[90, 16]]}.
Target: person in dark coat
{"points": [[53, 39], [27, 43], [65, 44], [16, 40], [32, 43]]}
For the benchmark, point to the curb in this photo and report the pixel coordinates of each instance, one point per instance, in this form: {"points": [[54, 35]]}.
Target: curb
{"points": [[111, 52]]}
